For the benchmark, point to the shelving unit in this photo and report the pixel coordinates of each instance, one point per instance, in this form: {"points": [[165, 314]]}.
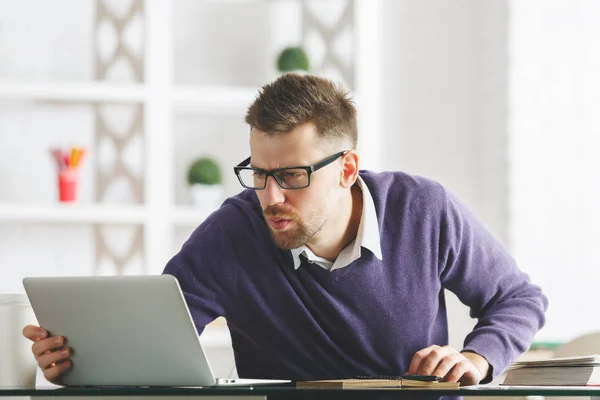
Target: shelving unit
{"points": [[160, 99], [163, 99]]}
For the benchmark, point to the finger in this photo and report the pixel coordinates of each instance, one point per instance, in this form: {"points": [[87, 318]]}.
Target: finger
{"points": [[54, 373], [34, 333], [418, 358], [462, 371], [446, 364], [43, 346], [433, 360], [45, 361]]}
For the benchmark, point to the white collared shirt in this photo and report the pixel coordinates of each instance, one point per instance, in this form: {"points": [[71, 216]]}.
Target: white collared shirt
{"points": [[367, 237]]}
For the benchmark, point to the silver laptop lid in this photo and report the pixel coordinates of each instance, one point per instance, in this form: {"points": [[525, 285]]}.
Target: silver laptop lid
{"points": [[124, 330]]}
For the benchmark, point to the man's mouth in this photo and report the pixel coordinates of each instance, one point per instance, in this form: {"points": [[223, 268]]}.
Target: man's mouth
{"points": [[278, 223]]}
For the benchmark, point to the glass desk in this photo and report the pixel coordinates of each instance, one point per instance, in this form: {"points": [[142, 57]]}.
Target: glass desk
{"points": [[290, 391]]}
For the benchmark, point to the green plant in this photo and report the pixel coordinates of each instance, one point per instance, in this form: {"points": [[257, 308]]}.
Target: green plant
{"points": [[206, 171], [293, 59]]}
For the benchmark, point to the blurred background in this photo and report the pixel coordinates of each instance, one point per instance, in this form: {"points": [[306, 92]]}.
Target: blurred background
{"points": [[496, 99]]}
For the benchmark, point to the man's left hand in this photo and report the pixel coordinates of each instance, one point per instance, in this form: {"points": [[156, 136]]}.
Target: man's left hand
{"points": [[467, 368]]}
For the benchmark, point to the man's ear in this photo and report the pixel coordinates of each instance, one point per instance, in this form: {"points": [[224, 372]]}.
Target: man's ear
{"points": [[349, 172]]}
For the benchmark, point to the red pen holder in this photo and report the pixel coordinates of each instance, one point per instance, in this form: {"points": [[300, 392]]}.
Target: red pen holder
{"points": [[67, 185]]}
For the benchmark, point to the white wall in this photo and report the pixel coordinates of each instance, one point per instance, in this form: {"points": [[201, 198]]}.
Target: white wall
{"points": [[443, 60], [555, 168], [499, 102], [61, 49], [444, 106]]}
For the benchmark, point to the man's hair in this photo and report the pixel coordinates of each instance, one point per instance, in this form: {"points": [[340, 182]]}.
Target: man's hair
{"points": [[293, 99]]}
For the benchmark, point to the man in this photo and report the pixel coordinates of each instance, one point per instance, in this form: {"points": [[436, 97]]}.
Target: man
{"points": [[326, 272]]}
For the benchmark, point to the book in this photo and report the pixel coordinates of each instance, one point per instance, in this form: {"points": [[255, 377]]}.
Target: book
{"points": [[592, 359], [566, 371], [376, 383]]}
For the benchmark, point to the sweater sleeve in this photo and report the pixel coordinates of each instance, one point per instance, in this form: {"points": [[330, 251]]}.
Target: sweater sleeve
{"points": [[205, 268], [476, 267]]}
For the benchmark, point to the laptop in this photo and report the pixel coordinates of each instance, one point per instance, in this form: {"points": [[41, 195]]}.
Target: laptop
{"points": [[125, 331]]}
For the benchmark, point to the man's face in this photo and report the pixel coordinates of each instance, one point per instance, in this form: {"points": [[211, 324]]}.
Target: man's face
{"points": [[294, 217]]}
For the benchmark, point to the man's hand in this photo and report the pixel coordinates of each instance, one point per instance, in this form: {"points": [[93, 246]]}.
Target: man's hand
{"points": [[49, 352], [467, 368]]}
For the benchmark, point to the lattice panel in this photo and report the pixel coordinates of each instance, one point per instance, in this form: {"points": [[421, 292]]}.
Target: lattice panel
{"points": [[119, 133], [119, 43], [119, 177], [119, 250], [328, 37]]}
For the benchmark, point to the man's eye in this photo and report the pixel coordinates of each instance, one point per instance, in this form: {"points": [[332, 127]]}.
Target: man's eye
{"points": [[292, 175], [259, 174]]}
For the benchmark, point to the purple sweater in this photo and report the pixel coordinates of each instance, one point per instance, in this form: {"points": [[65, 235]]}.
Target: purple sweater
{"points": [[371, 316]]}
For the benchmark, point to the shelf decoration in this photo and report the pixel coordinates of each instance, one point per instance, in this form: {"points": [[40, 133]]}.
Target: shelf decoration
{"points": [[205, 180], [67, 168], [293, 59]]}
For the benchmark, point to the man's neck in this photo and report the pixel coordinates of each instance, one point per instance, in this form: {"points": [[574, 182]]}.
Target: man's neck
{"points": [[343, 228]]}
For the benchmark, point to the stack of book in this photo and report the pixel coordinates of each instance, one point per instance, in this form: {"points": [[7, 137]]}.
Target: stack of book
{"points": [[568, 371], [377, 382]]}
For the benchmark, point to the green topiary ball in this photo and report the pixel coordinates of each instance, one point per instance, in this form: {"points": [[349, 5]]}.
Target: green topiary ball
{"points": [[293, 59], [205, 171]]}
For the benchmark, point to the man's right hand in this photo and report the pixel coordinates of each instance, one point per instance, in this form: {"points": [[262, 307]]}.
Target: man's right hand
{"points": [[49, 352]]}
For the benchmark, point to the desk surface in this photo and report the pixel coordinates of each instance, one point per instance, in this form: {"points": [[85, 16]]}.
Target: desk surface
{"points": [[284, 390]]}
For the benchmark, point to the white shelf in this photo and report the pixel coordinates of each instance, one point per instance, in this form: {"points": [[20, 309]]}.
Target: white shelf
{"points": [[96, 213], [214, 100], [72, 92], [209, 100], [72, 213], [188, 216]]}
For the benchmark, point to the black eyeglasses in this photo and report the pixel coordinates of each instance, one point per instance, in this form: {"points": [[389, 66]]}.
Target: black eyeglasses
{"points": [[286, 178]]}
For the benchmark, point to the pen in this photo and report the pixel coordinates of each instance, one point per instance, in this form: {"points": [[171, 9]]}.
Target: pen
{"points": [[422, 378], [425, 378]]}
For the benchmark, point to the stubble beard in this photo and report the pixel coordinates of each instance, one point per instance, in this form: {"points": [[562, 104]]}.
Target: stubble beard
{"points": [[300, 232]]}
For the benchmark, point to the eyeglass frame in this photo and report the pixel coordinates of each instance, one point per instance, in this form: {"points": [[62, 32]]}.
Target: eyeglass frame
{"points": [[310, 169]]}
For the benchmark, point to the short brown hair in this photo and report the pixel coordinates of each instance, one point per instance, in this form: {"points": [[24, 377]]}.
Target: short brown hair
{"points": [[293, 99]]}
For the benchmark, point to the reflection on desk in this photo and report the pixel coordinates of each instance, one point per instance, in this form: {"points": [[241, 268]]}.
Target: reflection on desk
{"points": [[290, 391]]}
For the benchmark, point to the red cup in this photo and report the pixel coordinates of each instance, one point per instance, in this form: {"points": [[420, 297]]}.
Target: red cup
{"points": [[67, 185]]}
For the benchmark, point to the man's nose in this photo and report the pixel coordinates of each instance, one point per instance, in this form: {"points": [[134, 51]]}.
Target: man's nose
{"points": [[273, 192]]}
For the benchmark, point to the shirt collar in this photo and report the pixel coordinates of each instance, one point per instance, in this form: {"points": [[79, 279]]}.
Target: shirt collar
{"points": [[368, 230], [367, 237]]}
